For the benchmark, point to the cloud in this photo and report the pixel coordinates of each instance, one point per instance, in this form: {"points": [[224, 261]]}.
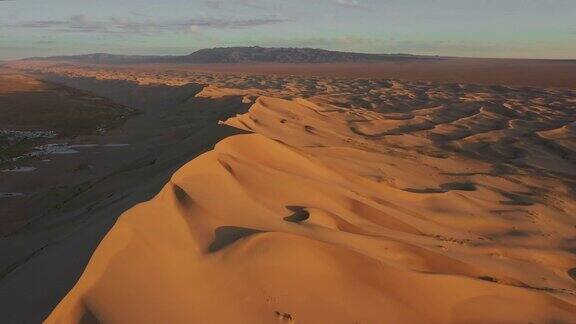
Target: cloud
{"points": [[120, 25], [214, 4], [73, 23], [349, 3], [233, 5], [259, 4], [130, 26], [45, 41], [84, 23], [227, 23]]}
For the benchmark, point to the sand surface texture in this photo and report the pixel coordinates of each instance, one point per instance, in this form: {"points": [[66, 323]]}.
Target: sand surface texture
{"points": [[440, 204]]}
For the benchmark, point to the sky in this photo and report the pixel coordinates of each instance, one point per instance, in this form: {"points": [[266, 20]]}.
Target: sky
{"points": [[470, 28]]}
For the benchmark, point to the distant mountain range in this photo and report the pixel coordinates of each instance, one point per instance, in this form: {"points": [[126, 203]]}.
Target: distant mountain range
{"points": [[240, 55]]}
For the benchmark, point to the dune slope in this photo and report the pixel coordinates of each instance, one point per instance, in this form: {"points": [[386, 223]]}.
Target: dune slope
{"points": [[326, 215]]}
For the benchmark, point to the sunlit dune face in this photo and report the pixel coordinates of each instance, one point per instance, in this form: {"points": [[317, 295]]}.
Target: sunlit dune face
{"points": [[328, 214]]}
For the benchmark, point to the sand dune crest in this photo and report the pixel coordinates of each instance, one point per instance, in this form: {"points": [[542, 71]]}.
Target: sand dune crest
{"points": [[315, 219]]}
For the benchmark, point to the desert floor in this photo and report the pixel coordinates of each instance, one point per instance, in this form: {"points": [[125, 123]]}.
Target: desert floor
{"points": [[308, 198]]}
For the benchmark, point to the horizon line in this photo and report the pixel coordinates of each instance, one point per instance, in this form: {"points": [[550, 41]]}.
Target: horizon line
{"points": [[296, 47]]}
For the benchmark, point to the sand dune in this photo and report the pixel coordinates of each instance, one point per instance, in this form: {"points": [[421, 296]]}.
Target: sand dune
{"points": [[512, 72], [443, 213]]}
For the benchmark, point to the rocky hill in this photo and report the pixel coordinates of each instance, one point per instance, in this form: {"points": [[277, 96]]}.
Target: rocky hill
{"points": [[239, 55]]}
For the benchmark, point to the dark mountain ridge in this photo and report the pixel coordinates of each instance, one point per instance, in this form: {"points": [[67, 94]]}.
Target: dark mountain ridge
{"points": [[239, 55]]}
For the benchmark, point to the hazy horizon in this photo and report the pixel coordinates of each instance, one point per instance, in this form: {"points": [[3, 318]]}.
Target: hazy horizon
{"points": [[485, 28], [337, 50]]}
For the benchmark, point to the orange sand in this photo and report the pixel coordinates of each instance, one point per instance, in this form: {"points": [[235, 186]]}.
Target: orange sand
{"points": [[318, 217]]}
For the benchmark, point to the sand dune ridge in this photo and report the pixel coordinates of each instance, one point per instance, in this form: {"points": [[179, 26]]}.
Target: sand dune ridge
{"points": [[333, 215]]}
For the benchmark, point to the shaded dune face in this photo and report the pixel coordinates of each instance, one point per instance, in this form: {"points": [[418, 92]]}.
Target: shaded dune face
{"points": [[333, 215]]}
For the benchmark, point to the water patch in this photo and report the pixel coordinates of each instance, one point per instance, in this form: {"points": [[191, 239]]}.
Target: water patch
{"points": [[20, 169], [83, 145], [11, 195], [16, 135], [59, 149], [50, 149]]}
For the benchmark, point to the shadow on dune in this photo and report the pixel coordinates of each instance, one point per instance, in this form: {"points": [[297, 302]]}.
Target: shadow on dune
{"points": [[227, 235], [300, 214], [89, 318], [445, 187]]}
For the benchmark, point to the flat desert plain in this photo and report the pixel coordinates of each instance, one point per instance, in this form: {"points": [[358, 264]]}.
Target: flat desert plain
{"points": [[340, 199]]}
